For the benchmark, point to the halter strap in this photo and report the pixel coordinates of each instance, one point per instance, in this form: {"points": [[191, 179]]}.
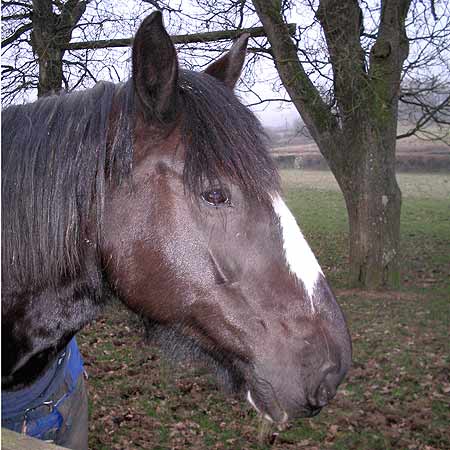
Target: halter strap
{"points": [[43, 397]]}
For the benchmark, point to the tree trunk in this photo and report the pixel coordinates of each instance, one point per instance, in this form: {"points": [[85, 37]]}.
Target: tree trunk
{"points": [[374, 236], [50, 71], [373, 201]]}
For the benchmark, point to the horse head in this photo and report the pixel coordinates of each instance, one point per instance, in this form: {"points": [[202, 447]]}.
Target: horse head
{"points": [[200, 242]]}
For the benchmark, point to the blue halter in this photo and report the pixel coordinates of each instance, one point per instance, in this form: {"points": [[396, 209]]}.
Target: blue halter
{"points": [[34, 409]]}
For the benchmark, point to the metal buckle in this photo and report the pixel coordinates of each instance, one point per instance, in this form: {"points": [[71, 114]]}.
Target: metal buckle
{"points": [[49, 404], [61, 358]]}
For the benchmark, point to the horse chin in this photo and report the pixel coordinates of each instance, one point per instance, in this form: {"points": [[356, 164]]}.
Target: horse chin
{"points": [[179, 348]]}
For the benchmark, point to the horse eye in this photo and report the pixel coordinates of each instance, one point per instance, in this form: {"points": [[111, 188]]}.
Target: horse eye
{"points": [[216, 197]]}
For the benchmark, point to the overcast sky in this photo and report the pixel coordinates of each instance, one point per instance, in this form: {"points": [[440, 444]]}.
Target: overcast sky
{"points": [[125, 17]]}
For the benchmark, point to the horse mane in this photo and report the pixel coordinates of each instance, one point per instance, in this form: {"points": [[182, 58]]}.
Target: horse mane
{"points": [[58, 159], [54, 163]]}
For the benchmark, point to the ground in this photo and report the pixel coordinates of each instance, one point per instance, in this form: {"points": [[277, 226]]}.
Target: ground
{"points": [[396, 395]]}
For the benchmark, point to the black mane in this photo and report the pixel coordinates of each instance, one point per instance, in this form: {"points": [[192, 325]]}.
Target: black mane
{"points": [[57, 162], [53, 162]]}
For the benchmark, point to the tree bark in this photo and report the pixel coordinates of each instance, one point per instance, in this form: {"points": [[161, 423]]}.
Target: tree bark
{"points": [[373, 201], [359, 141]]}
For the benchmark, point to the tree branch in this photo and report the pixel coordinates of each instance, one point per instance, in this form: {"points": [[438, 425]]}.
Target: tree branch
{"points": [[16, 17], [429, 114], [342, 23], [316, 114], [23, 29], [6, 4], [70, 15], [387, 56], [177, 39]]}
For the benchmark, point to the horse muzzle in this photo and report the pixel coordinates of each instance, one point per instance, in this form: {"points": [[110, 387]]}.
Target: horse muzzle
{"points": [[288, 397]]}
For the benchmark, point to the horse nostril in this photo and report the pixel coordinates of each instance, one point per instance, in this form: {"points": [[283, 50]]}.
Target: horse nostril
{"points": [[324, 392], [321, 396]]}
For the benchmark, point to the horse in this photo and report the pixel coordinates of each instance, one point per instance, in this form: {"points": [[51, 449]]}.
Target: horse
{"points": [[161, 192]]}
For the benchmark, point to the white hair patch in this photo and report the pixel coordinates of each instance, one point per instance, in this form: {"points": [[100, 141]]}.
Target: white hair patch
{"points": [[299, 256]]}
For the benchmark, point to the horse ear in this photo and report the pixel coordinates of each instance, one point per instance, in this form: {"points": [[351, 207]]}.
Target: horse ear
{"points": [[228, 68], [155, 69]]}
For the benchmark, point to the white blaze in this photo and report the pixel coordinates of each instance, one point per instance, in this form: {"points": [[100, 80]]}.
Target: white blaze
{"points": [[299, 256]]}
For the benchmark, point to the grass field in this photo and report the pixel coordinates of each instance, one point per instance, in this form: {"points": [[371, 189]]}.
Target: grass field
{"points": [[397, 395]]}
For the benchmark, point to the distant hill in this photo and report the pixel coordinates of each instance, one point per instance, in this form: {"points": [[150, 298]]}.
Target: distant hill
{"points": [[293, 149]]}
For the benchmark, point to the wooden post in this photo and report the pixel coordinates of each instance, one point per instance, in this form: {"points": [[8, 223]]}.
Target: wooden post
{"points": [[15, 441]]}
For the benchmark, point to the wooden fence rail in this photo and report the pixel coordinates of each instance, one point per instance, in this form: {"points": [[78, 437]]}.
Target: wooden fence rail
{"points": [[16, 441]]}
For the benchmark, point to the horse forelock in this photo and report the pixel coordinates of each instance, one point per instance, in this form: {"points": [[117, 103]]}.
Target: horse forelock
{"points": [[224, 141]]}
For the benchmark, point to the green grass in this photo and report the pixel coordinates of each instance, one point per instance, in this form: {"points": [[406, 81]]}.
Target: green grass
{"points": [[395, 396], [412, 185], [321, 216], [425, 223]]}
